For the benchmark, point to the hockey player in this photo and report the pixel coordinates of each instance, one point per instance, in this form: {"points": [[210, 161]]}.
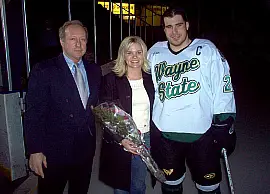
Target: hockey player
{"points": [[194, 107]]}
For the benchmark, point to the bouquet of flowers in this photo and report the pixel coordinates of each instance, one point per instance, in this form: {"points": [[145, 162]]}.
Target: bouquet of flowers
{"points": [[119, 122]]}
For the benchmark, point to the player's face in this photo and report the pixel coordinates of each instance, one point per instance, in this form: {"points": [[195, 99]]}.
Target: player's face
{"points": [[74, 43], [134, 56], [176, 30]]}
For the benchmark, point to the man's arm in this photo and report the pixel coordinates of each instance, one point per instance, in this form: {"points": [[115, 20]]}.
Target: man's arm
{"points": [[36, 108], [37, 98], [223, 103], [221, 85]]}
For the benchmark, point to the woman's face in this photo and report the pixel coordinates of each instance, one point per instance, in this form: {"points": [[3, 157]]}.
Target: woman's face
{"points": [[134, 56]]}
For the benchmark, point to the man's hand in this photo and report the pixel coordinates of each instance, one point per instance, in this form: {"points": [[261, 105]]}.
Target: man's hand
{"points": [[35, 162], [224, 135], [129, 146]]}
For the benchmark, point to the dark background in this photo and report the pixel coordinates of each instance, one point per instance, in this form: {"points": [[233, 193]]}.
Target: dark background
{"points": [[240, 29]]}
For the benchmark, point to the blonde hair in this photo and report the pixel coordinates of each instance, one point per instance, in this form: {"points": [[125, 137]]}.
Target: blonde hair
{"points": [[63, 28], [120, 67]]}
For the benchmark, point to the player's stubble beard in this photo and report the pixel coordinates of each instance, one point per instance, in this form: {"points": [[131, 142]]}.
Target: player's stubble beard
{"points": [[179, 44]]}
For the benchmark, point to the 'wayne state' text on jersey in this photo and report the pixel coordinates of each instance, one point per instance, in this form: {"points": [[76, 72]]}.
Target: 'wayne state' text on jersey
{"points": [[191, 86]]}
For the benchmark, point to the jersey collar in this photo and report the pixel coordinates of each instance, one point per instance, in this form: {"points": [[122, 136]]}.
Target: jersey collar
{"points": [[176, 53]]}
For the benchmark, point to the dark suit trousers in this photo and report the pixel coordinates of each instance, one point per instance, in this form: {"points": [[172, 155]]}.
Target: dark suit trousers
{"points": [[56, 177]]}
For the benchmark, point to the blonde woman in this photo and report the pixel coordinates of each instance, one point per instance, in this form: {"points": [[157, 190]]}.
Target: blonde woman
{"points": [[130, 84]]}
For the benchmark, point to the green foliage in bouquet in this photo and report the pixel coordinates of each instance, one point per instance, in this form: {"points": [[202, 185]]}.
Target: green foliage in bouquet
{"points": [[117, 123]]}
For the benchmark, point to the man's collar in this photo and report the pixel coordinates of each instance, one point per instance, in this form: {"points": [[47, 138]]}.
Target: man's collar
{"points": [[69, 61]]}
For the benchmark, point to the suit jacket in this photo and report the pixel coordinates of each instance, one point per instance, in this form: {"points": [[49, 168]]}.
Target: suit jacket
{"points": [[115, 163], [55, 121]]}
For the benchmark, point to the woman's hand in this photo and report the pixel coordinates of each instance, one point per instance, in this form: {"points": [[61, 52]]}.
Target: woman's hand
{"points": [[129, 146]]}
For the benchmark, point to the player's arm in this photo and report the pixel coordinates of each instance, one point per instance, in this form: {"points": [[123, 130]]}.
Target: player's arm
{"points": [[221, 85], [223, 103]]}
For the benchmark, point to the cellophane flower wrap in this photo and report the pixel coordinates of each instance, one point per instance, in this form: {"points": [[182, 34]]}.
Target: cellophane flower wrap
{"points": [[121, 123]]}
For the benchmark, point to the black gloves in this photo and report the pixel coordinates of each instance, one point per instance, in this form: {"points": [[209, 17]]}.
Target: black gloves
{"points": [[224, 135]]}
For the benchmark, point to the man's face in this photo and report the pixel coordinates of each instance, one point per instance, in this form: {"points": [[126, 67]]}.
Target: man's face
{"points": [[74, 43], [176, 30]]}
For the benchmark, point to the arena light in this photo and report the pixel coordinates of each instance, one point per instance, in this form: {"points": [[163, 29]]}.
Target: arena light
{"points": [[115, 7]]}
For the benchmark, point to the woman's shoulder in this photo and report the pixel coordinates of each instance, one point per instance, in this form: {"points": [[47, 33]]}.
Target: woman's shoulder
{"points": [[110, 76], [112, 79], [147, 76]]}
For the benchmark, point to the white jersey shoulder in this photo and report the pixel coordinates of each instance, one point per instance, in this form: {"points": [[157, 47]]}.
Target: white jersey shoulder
{"points": [[208, 46], [158, 47], [203, 42], [163, 49], [163, 45]]}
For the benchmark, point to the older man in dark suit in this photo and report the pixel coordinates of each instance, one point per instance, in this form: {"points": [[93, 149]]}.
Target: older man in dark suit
{"points": [[59, 125]]}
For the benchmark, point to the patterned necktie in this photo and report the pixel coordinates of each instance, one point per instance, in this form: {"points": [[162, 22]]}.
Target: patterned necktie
{"points": [[80, 85]]}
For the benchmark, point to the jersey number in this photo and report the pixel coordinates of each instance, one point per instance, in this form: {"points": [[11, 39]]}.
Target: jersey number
{"points": [[228, 84]]}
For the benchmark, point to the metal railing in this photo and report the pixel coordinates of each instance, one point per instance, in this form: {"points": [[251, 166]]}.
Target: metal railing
{"points": [[6, 45], [140, 19]]}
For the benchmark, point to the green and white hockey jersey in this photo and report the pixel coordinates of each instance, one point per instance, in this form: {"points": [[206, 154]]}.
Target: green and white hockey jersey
{"points": [[190, 86]]}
